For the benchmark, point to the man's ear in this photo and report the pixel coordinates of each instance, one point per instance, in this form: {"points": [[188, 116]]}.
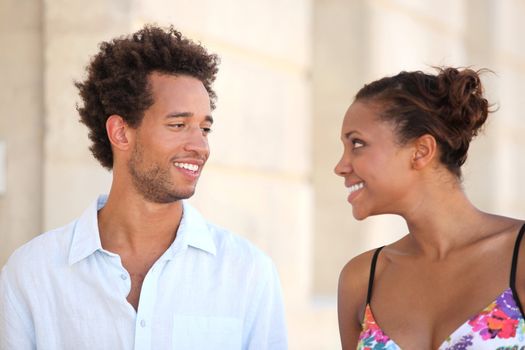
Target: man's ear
{"points": [[118, 132], [425, 150]]}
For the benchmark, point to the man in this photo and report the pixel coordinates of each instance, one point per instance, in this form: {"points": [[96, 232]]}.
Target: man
{"points": [[141, 269]]}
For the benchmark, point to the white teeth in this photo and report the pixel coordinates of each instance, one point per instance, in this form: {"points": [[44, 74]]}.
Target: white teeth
{"points": [[355, 187], [187, 166]]}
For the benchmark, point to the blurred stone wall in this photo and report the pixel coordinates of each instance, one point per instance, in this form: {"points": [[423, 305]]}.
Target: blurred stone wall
{"points": [[289, 70], [21, 122]]}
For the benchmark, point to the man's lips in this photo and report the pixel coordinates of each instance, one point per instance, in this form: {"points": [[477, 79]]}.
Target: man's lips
{"points": [[187, 166], [190, 166]]}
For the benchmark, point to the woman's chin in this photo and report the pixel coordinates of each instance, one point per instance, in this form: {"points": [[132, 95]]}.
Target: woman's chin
{"points": [[359, 215]]}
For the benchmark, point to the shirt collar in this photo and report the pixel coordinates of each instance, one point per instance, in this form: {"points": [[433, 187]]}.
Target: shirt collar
{"points": [[193, 231], [86, 237]]}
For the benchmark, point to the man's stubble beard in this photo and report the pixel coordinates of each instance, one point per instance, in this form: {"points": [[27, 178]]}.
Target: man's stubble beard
{"points": [[154, 182]]}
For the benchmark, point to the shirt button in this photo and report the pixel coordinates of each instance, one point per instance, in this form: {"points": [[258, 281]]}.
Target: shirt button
{"points": [[124, 277], [143, 323]]}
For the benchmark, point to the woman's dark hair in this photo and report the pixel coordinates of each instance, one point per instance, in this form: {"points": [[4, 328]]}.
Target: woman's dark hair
{"points": [[450, 106], [117, 79]]}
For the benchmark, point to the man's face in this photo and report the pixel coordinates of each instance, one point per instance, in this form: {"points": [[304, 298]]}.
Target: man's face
{"points": [[171, 144]]}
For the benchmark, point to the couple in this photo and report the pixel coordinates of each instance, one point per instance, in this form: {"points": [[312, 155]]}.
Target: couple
{"points": [[141, 269]]}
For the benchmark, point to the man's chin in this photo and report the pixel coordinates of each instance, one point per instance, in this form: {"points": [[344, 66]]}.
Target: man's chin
{"points": [[184, 194], [168, 198]]}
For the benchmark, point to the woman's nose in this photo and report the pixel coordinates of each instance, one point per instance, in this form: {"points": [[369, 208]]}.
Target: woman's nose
{"points": [[343, 167]]}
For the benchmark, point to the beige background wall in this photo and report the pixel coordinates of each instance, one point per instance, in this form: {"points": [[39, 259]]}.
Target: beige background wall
{"points": [[21, 121], [289, 71]]}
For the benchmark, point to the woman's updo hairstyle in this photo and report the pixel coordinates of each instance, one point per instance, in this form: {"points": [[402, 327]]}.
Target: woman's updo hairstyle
{"points": [[450, 106]]}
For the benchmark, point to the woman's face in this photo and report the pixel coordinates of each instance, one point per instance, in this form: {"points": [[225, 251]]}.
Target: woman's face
{"points": [[376, 169]]}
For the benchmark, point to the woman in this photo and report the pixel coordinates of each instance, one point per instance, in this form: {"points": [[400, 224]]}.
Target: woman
{"points": [[455, 281]]}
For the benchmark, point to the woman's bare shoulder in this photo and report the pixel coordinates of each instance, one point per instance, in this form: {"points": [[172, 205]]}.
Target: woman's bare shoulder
{"points": [[355, 273], [353, 282], [351, 297]]}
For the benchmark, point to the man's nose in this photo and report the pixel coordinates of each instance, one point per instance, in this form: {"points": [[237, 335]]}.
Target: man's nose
{"points": [[197, 142]]}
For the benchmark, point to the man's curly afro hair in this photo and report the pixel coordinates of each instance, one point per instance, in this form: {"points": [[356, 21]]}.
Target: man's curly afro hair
{"points": [[117, 81]]}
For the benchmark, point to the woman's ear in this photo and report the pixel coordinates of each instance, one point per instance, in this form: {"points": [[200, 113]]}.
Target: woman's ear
{"points": [[425, 150], [118, 132]]}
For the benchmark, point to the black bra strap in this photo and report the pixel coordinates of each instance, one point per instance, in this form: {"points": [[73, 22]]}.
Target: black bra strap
{"points": [[372, 273], [514, 266]]}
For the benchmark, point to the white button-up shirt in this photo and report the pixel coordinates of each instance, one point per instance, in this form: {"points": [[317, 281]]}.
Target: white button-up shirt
{"points": [[209, 290]]}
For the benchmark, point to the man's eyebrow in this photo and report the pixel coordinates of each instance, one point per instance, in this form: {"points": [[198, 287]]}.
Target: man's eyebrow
{"points": [[208, 118]]}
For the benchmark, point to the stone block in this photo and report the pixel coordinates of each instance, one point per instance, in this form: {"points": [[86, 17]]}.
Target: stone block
{"points": [[70, 188], [78, 17], [401, 42], [448, 15], [262, 118], [274, 28], [509, 28]]}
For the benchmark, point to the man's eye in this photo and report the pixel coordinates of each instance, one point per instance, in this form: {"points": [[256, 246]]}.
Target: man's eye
{"points": [[206, 130], [176, 125]]}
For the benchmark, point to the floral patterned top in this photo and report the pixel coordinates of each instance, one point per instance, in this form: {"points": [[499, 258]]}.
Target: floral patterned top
{"points": [[500, 326]]}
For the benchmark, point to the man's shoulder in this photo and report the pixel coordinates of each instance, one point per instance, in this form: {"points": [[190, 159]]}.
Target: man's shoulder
{"points": [[53, 247], [241, 257], [43, 250], [235, 245], [227, 244]]}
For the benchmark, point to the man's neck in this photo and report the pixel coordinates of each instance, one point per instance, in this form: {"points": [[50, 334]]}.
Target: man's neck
{"points": [[129, 224]]}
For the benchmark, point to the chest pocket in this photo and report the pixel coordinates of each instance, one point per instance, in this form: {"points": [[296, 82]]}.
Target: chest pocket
{"points": [[201, 332]]}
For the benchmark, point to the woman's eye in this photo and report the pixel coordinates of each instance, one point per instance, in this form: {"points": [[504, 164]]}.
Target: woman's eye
{"points": [[356, 143]]}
